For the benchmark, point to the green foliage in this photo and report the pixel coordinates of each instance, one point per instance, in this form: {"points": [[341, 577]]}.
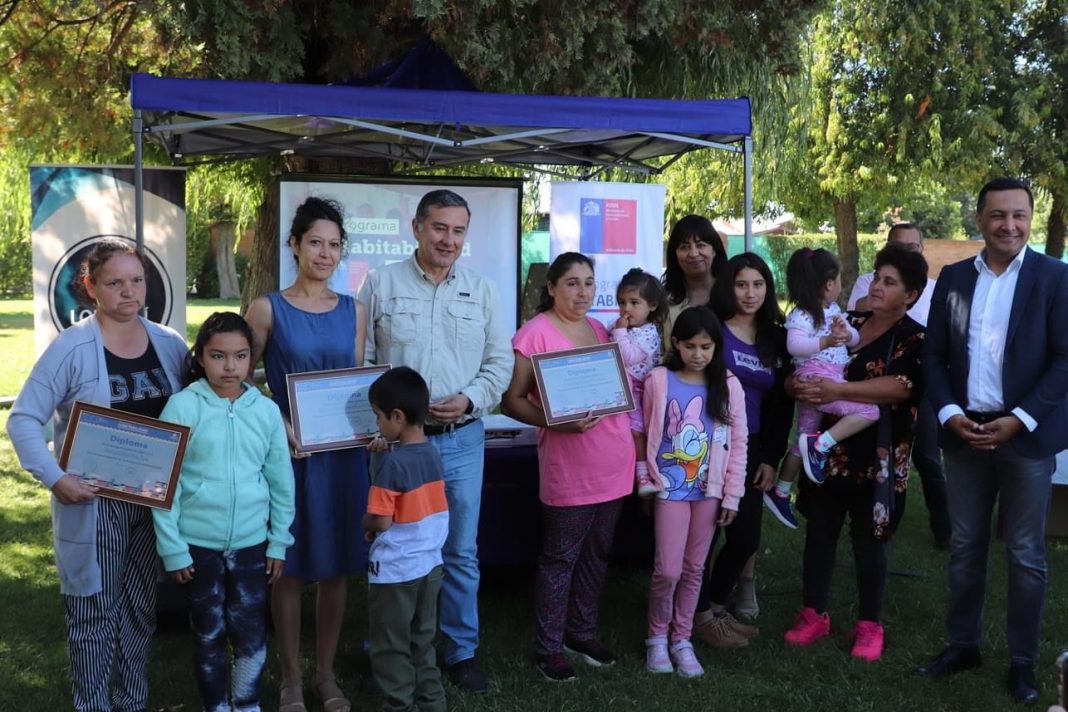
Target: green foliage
{"points": [[712, 182], [900, 92], [603, 47], [65, 73], [929, 204], [65, 89], [533, 247], [1035, 100], [249, 40], [230, 192], [600, 47], [206, 282], [16, 266], [935, 220], [73, 60], [776, 251]]}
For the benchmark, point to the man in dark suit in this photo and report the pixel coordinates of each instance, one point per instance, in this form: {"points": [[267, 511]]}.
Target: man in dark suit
{"points": [[996, 372]]}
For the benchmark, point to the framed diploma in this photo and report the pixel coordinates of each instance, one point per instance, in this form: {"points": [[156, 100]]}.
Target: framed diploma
{"points": [[576, 382], [329, 409], [125, 456]]}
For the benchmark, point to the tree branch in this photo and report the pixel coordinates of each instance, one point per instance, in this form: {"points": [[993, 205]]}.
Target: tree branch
{"points": [[7, 9]]}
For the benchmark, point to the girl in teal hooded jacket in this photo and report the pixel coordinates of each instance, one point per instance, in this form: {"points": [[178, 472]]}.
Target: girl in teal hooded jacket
{"points": [[226, 536]]}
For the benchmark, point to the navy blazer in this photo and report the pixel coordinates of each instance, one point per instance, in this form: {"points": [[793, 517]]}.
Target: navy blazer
{"points": [[1034, 371]]}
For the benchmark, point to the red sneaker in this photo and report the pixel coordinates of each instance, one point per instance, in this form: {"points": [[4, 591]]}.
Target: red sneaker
{"points": [[809, 627], [868, 644]]}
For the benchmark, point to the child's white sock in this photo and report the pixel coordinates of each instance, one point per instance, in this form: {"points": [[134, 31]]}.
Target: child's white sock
{"points": [[782, 488], [825, 441]]}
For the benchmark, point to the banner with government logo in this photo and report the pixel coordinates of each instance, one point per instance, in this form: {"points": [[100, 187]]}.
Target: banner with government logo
{"points": [[618, 225], [75, 207]]}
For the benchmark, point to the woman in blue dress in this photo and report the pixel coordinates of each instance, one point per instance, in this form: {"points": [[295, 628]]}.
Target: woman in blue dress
{"points": [[308, 327]]}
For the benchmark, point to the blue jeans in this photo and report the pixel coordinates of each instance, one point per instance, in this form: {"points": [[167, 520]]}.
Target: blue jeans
{"points": [[228, 604], [462, 454], [974, 481]]}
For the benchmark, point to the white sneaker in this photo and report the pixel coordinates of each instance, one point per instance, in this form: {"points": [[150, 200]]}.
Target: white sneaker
{"points": [[686, 664], [656, 655]]}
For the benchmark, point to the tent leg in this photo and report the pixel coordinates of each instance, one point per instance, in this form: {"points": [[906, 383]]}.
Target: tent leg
{"points": [[139, 186], [747, 153]]}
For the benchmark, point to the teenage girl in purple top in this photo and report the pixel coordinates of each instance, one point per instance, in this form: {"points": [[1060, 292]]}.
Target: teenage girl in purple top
{"points": [[754, 344]]}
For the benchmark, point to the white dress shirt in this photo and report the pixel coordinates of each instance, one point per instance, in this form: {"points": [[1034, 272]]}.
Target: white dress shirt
{"points": [[988, 327]]}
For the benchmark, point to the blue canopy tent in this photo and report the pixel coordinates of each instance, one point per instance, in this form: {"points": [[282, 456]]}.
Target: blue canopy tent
{"points": [[195, 120]]}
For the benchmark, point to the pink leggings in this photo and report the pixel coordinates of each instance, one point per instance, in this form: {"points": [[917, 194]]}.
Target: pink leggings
{"points": [[683, 535], [810, 417]]}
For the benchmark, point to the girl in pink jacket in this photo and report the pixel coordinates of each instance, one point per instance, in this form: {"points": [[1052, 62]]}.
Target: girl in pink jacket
{"points": [[696, 450]]}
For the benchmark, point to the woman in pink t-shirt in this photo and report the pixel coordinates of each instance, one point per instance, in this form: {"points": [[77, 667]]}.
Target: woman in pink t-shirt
{"points": [[586, 469]]}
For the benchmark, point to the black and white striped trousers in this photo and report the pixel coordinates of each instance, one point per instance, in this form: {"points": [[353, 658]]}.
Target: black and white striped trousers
{"points": [[108, 633]]}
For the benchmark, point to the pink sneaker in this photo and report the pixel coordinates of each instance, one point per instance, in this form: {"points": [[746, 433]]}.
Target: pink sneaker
{"points": [[809, 627], [868, 643], [656, 655], [686, 663]]}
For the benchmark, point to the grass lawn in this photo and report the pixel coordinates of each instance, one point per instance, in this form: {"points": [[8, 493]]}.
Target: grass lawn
{"points": [[197, 310], [16, 343], [16, 335], [767, 675]]}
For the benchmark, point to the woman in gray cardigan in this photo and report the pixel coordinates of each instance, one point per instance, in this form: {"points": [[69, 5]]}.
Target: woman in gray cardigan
{"points": [[105, 548]]}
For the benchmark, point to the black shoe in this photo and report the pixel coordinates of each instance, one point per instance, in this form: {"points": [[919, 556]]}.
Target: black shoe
{"points": [[591, 651], [952, 659], [468, 676], [554, 668], [1022, 685]]}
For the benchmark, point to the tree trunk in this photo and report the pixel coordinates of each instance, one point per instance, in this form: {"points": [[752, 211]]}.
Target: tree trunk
{"points": [[1055, 227], [262, 274], [225, 264], [845, 230]]}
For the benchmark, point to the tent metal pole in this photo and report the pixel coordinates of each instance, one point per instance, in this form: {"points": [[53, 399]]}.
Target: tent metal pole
{"points": [[139, 185], [747, 153], [694, 141]]}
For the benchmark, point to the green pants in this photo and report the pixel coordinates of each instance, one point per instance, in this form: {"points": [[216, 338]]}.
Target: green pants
{"points": [[403, 621]]}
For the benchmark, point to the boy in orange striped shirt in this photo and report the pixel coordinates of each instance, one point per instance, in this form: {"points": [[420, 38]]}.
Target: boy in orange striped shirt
{"points": [[406, 522]]}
